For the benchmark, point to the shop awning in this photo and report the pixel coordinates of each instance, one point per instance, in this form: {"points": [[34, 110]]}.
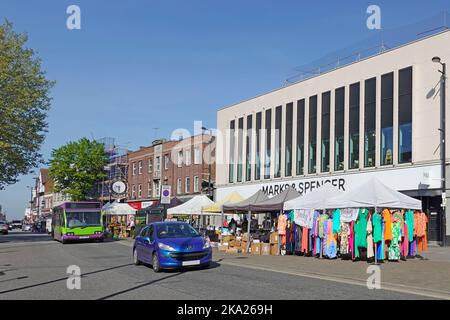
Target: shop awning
{"points": [[244, 205], [216, 207], [191, 207], [315, 199], [372, 194], [118, 209], [275, 203]]}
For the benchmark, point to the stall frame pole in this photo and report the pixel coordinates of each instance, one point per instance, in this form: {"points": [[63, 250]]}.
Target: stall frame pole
{"points": [[249, 216]]}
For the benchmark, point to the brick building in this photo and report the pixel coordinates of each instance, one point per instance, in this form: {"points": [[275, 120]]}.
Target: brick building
{"points": [[182, 164]]}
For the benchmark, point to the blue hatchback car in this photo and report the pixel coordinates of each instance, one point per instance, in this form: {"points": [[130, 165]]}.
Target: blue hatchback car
{"points": [[171, 245]]}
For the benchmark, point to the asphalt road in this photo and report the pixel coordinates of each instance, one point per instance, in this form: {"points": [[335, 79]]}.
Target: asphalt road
{"points": [[32, 266]]}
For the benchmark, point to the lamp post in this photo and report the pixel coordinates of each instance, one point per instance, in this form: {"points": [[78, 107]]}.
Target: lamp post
{"points": [[209, 162], [442, 146]]}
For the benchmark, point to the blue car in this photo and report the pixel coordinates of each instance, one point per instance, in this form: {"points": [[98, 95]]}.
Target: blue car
{"points": [[170, 245]]}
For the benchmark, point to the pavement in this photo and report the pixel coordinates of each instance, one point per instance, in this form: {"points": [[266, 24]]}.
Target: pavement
{"points": [[32, 266]]}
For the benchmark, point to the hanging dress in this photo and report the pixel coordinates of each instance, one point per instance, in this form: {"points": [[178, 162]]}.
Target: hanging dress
{"points": [[394, 248], [344, 234], [370, 252], [331, 250], [360, 230]]}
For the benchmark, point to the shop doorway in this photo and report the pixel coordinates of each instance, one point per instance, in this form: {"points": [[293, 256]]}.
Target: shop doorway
{"points": [[432, 207]]}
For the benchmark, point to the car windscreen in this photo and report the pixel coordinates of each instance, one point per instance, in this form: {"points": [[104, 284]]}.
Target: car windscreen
{"points": [[175, 230], [82, 219]]}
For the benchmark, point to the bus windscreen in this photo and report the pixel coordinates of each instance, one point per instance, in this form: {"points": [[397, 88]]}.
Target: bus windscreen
{"points": [[83, 219]]}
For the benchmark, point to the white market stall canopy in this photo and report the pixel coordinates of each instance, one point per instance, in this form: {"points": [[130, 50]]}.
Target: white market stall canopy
{"points": [[118, 209], [373, 194], [191, 207], [314, 200]]}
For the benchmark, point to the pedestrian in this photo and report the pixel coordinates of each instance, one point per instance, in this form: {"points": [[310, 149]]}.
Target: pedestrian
{"points": [[232, 226]]}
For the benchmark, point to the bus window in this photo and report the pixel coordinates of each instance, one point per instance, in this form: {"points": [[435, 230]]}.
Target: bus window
{"points": [[82, 219]]}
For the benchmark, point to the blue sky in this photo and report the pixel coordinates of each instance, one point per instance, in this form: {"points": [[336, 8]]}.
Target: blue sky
{"points": [[137, 65]]}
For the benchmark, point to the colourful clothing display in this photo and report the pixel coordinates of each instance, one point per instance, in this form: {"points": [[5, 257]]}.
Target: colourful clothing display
{"points": [[409, 220], [376, 220], [331, 247], [282, 220]]}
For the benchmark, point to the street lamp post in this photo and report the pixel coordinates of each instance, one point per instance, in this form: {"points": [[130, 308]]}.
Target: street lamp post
{"points": [[442, 146]]}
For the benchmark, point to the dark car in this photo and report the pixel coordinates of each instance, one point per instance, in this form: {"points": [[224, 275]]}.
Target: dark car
{"points": [[4, 227], [171, 245]]}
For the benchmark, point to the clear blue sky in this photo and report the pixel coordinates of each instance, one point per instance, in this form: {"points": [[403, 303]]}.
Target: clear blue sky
{"points": [[136, 65]]}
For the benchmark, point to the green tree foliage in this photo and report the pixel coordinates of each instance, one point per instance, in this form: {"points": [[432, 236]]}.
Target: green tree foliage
{"points": [[24, 102], [77, 167]]}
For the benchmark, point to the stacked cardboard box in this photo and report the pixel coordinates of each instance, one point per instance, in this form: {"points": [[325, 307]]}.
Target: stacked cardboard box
{"points": [[256, 248], [223, 247], [265, 249], [274, 249], [233, 250], [274, 237]]}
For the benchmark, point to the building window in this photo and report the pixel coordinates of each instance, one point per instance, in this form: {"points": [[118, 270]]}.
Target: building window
{"points": [[312, 134], [180, 159], [196, 184], [140, 191], [188, 185], [232, 143], [197, 156], [300, 136], [149, 189], [240, 148], [150, 165], [187, 154], [156, 188], [387, 118], [370, 98], [278, 113], [248, 149], [140, 167], [288, 139], [133, 192], [158, 163], [179, 186], [258, 146], [405, 116], [134, 168], [325, 148], [354, 126], [268, 144], [166, 162], [339, 116]]}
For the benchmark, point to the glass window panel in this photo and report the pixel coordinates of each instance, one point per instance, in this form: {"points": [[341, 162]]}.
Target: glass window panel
{"points": [[278, 113], [268, 144], [369, 122], [231, 162], [312, 134], [300, 136], [339, 106], [240, 148], [288, 140], [325, 132], [248, 149], [258, 146]]}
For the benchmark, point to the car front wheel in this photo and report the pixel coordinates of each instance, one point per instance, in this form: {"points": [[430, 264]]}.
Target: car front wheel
{"points": [[155, 263]]}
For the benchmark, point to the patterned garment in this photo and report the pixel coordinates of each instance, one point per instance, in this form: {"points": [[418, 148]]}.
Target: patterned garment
{"points": [[394, 248], [344, 234], [331, 250]]}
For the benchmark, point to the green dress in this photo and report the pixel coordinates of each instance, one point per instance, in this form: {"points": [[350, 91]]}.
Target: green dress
{"points": [[377, 227], [360, 230]]}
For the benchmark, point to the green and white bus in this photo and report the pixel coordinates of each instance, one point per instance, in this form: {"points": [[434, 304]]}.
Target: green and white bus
{"points": [[72, 221]]}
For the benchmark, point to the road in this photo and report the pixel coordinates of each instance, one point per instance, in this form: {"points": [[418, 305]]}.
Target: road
{"points": [[32, 266]]}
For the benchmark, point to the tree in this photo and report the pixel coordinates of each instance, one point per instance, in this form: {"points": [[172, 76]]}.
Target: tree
{"points": [[77, 167], [24, 102]]}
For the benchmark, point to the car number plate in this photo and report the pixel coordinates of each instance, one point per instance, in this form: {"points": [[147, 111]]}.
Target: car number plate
{"points": [[191, 263], [84, 237]]}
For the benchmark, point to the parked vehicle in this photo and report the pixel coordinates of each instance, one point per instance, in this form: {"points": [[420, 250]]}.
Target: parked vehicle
{"points": [[16, 224], [4, 227], [171, 245], [27, 227]]}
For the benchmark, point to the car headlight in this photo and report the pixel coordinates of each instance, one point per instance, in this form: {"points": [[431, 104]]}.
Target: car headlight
{"points": [[206, 245], [166, 247]]}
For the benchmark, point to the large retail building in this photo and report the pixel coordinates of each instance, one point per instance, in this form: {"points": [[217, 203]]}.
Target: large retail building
{"points": [[377, 117]]}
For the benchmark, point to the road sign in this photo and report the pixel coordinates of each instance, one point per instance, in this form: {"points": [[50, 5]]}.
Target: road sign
{"points": [[165, 194]]}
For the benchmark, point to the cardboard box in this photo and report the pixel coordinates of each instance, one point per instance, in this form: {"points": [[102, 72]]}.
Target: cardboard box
{"points": [[233, 250], [274, 237], [244, 245], [245, 237], [223, 247], [256, 248], [274, 249], [265, 249], [228, 238], [237, 244]]}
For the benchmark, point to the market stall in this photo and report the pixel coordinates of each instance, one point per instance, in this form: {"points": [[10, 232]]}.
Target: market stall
{"points": [[371, 222], [119, 219], [190, 210]]}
